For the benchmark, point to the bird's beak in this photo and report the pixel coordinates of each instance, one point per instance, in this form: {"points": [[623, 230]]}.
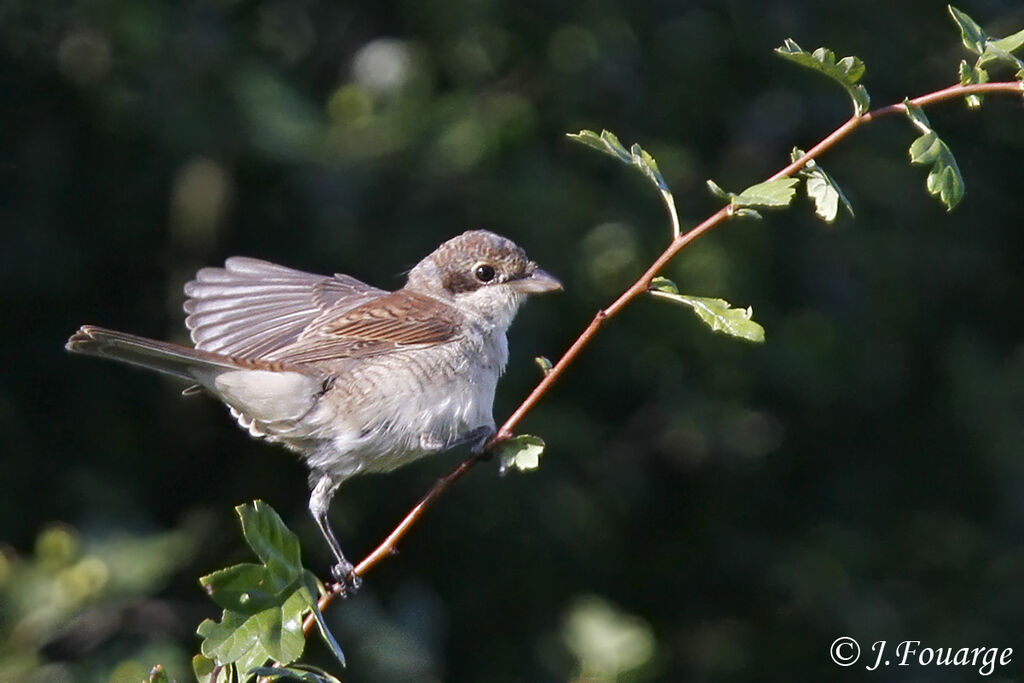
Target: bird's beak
{"points": [[536, 282]]}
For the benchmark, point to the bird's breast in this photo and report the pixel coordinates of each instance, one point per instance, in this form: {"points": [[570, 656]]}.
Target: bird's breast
{"points": [[384, 412]]}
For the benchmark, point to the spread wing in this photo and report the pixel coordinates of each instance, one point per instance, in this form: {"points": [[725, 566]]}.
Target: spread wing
{"points": [[252, 308], [398, 320]]}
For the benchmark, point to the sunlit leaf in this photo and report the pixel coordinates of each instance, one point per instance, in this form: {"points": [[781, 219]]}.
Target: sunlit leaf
{"points": [[970, 75], [637, 157], [544, 364], [273, 542], [246, 588], [846, 71], [822, 189], [768, 195], [971, 33], [521, 452], [944, 179], [717, 314]]}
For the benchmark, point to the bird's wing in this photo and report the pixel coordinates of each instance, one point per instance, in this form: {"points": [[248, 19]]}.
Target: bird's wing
{"points": [[251, 308], [396, 321]]}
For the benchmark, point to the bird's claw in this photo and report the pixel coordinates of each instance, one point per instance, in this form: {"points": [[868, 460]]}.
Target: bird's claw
{"points": [[348, 582]]}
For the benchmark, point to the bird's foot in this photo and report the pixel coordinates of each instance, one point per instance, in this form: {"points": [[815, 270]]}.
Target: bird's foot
{"points": [[348, 582]]}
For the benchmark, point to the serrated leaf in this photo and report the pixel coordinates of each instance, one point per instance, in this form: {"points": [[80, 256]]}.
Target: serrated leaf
{"points": [[944, 179], [204, 668], [637, 157], [521, 452], [273, 542], [970, 75], [971, 33], [246, 588], [767, 195], [719, 315], [822, 189], [606, 142], [846, 71]]}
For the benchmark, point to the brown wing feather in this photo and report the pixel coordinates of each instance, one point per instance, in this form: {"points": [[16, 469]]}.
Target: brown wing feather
{"points": [[251, 308], [397, 320]]}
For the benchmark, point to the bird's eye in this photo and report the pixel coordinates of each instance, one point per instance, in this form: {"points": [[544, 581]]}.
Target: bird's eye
{"points": [[484, 272]]}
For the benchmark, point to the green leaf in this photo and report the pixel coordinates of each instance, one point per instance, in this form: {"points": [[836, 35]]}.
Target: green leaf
{"points": [[970, 75], [822, 189], [1010, 43], [246, 588], [325, 633], [521, 452], [204, 668], [544, 364], [973, 36], [638, 158], [273, 542], [846, 71], [944, 179], [717, 314], [768, 195]]}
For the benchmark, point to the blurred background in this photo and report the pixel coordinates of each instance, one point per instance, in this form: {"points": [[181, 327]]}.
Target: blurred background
{"points": [[707, 509]]}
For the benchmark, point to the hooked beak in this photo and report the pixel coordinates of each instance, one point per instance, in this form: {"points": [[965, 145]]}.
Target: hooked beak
{"points": [[536, 282]]}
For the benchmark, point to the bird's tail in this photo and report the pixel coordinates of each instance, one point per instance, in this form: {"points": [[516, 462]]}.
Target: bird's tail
{"points": [[189, 364]]}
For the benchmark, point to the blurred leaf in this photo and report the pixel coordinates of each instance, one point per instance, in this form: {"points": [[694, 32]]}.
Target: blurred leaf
{"points": [[521, 452], [544, 364], [822, 189], [944, 179], [717, 314], [847, 71], [606, 641], [158, 675]]}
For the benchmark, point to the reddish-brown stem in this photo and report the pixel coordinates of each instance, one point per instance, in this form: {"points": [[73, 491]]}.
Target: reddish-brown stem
{"points": [[636, 289]]}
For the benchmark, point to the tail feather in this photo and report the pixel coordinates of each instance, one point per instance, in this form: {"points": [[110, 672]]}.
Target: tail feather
{"points": [[189, 364]]}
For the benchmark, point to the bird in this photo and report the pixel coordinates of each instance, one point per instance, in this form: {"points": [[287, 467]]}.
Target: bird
{"points": [[353, 378]]}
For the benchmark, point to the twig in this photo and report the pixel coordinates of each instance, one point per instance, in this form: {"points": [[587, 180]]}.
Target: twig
{"points": [[638, 288]]}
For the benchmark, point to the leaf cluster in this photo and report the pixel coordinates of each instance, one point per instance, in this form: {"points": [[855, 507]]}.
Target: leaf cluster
{"points": [[264, 606]]}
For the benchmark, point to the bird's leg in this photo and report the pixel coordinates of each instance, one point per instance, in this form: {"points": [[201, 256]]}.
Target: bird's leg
{"points": [[319, 502], [477, 439]]}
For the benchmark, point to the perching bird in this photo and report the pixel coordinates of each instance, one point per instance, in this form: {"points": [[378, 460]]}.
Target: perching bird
{"points": [[354, 378]]}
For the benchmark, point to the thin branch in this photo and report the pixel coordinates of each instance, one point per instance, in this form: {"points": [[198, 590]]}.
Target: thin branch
{"points": [[635, 290]]}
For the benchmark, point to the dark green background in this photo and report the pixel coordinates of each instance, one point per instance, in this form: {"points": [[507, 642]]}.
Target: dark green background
{"points": [[860, 473]]}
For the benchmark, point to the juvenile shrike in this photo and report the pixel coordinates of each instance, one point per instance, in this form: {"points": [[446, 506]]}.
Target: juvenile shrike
{"points": [[353, 378]]}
